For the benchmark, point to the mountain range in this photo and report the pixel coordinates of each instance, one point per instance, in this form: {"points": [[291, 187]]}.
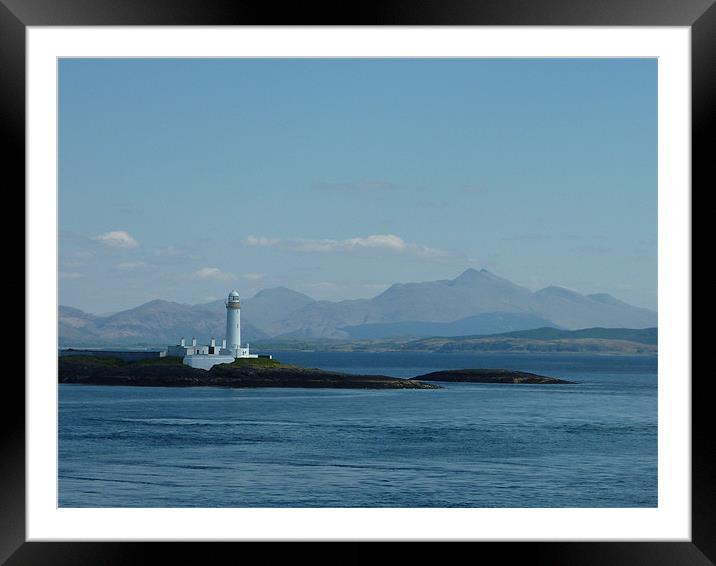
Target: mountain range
{"points": [[475, 302]]}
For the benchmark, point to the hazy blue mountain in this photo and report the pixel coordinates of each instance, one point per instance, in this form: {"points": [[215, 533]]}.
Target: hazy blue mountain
{"points": [[154, 323], [162, 322], [571, 310], [479, 324], [475, 302], [269, 308], [472, 292], [323, 319], [76, 325]]}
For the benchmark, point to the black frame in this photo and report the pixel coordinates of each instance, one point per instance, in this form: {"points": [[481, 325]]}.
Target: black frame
{"points": [[699, 15]]}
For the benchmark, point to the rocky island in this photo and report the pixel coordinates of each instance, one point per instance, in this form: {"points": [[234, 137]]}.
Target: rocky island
{"points": [[489, 376], [244, 372], [261, 372]]}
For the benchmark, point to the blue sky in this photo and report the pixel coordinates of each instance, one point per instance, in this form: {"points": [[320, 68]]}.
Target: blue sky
{"points": [[180, 179]]}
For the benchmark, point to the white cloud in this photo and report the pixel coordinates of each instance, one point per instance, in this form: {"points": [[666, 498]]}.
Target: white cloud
{"points": [[213, 273], [261, 241], [378, 242], [117, 239], [253, 276]]}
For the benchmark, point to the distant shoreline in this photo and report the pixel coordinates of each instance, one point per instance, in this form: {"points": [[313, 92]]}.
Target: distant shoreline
{"points": [[598, 341], [566, 354], [592, 341]]}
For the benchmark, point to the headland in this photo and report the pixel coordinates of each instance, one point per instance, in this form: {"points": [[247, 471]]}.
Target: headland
{"points": [[243, 372]]}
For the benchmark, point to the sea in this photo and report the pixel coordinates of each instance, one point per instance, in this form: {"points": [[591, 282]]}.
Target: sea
{"points": [[588, 444]]}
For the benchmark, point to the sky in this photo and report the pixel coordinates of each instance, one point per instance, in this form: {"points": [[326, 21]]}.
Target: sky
{"points": [[181, 179]]}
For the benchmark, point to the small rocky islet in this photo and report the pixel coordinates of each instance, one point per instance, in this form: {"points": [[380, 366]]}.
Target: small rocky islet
{"points": [[489, 376], [261, 372]]}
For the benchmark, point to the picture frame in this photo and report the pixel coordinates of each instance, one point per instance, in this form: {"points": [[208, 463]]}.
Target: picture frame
{"points": [[16, 16]]}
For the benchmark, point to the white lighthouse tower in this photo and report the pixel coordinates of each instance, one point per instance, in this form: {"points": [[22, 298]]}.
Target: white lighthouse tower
{"points": [[233, 324], [206, 357]]}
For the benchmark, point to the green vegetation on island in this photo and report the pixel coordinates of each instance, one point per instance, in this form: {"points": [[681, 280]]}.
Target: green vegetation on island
{"points": [[256, 363]]}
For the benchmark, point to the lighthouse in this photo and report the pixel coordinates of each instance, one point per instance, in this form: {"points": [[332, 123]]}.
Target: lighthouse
{"points": [[206, 357], [233, 324]]}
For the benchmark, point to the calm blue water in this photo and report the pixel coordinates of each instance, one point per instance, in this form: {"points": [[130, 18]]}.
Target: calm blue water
{"points": [[593, 444]]}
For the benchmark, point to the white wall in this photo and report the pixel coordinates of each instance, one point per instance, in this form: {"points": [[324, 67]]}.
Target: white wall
{"points": [[206, 362]]}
